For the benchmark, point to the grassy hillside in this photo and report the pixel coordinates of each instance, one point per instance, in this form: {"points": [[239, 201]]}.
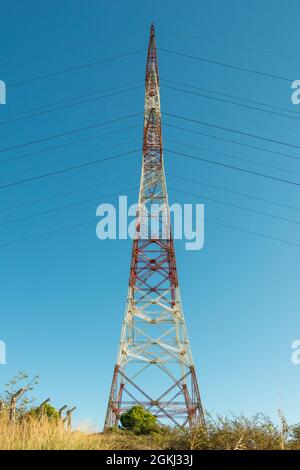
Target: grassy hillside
{"points": [[235, 433]]}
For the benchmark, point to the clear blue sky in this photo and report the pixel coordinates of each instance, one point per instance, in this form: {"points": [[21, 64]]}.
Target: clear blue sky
{"points": [[63, 296]]}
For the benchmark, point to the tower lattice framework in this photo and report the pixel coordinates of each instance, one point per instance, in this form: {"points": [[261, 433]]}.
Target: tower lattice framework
{"points": [[154, 365]]}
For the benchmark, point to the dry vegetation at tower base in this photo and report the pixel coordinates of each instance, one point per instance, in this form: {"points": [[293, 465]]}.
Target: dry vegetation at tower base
{"points": [[235, 433], [32, 427]]}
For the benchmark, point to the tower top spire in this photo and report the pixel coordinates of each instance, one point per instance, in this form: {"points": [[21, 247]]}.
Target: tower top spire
{"points": [[152, 63]]}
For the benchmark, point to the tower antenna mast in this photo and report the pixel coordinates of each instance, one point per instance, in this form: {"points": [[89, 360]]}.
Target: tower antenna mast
{"points": [[154, 367]]}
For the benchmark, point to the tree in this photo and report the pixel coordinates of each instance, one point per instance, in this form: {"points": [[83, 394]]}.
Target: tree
{"points": [[139, 420], [15, 396]]}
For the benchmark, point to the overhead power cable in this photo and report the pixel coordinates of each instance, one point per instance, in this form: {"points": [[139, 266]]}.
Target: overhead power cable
{"points": [[234, 131], [51, 232], [247, 100], [77, 141], [224, 139], [60, 208], [230, 66], [72, 69], [73, 131], [65, 193], [225, 165], [64, 170], [251, 232], [240, 46], [92, 221], [70, 105], [237, 206], [67, 100], [238, 193], [85, 164], [44, 234], [222, 100], [234, 157], [70, 157]]}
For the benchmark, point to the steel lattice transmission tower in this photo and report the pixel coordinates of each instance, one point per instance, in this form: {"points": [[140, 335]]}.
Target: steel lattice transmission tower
{"points": [[154, 365]]}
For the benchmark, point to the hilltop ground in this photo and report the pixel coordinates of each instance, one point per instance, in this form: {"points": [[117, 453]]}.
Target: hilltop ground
{"points": [[235, 433]]}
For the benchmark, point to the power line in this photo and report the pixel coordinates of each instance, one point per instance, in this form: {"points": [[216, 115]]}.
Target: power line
{"points": [[230, 66], [14, 117], [50, 232], [238, 193], [248, 100], [67, 106], [174, 176], [74, 131], [236, 206], [243, 105], [56, 147], [225, 165], [133, 115], [227, 129], [251, 232], [240, 46], [240, 118], [66, 193], [56, 103], [224, 139], [71, 157], [64, 170], [72, 69], [56, 209], [89, 222], [233, 157]]}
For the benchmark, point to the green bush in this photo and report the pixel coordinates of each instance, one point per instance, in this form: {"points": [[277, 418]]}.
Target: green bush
{"points": [[139, 420], [48, 411]]}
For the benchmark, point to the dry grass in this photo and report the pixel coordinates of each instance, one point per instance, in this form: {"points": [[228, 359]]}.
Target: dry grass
{"points": [[236, 433], [45, 434]]}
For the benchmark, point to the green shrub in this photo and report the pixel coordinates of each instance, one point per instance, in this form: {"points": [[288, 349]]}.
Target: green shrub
{"points": [[139, 420], [48, 411]]}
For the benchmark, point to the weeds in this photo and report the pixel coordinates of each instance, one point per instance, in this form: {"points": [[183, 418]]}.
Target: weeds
{"points": [[233, 433]]}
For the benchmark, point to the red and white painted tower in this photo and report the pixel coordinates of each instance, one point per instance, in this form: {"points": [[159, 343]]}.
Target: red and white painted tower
{"points": [[154, 366]]}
